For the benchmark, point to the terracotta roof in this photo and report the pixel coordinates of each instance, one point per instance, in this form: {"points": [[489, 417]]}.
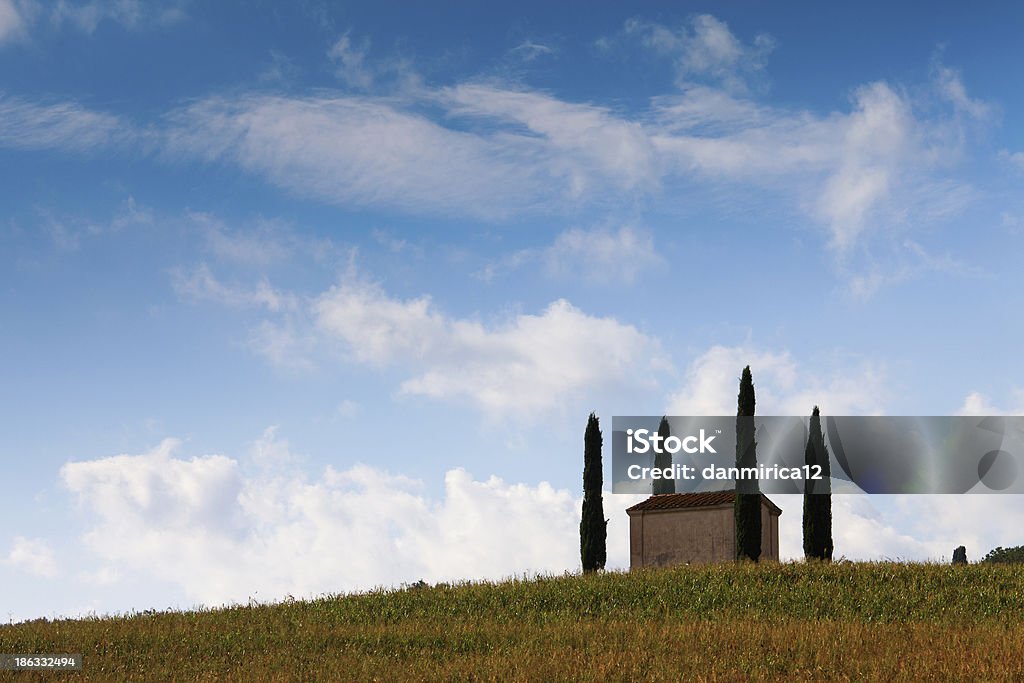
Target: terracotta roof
{"points": [[674, 501]]}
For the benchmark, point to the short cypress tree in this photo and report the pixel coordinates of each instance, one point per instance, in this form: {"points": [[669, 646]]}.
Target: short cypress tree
{"points": [[817, 495], [663, 460], [593, 525], [747, 507]]}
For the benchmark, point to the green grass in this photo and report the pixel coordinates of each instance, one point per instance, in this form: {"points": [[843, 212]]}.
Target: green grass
{"points": [[843, 621]]}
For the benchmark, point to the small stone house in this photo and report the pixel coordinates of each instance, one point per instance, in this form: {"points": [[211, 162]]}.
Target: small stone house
{"points": [[693, 528]]}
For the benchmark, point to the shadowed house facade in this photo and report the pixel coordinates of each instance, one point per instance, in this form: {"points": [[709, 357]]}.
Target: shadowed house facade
{"points": [[693, 528]]}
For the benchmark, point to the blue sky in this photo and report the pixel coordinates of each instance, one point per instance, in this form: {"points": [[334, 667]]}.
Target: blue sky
{"points": [[299, 298]]}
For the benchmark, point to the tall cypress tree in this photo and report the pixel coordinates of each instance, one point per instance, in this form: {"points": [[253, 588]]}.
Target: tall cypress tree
{"points": [[747, 507], [593, 526], [663, 460], [817, 495]]}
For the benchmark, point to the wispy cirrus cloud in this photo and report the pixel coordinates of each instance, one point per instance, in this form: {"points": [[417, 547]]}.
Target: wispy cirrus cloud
{"points": [[349, 57], [705, 48], [200, 284], [494, 150], [600, 255], [15, 15], [64, 126], [20, 18], [361, 150]]}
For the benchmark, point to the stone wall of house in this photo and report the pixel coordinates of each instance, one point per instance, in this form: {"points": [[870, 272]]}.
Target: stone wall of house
{"points": [[659, 538]]}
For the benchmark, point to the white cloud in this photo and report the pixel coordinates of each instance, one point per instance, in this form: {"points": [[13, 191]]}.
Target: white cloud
{"points": [[165, 490], [913, 528], [348, 408], [603, 255], [68, 232], [597, 255], [524, 365], [224, 532], [529, 50], [222, 535], [377, 329], [33, 555], [354, 69], [201, 285], [129, 214], [586, 146], [130, 14], [705, 49], [13, 20], [712, 382], [272, 453], [491, 150], [1015, 158], [911, 261], [361, 150], [285, 344], [350, 61], [64, 126], [951, 87], [17, 17], [259, 245], [976, 403], [876, 136]]}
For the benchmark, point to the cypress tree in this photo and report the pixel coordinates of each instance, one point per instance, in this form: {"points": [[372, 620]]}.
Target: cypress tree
{"points": [[747, 507], [663, 460], [817, 496], [593, 525]]}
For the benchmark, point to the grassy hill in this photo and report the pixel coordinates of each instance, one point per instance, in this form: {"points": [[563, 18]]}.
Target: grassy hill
{"points": [[843, 621]]}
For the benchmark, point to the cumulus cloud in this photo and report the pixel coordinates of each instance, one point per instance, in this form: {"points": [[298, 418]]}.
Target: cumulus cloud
{"points": [[224, 532], [914, 528], [523, 366], [711, 382], [34, 556], [976, 403]]}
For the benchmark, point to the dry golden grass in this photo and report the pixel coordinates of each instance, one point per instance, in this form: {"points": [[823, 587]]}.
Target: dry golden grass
{"points": [[726, 623]]}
